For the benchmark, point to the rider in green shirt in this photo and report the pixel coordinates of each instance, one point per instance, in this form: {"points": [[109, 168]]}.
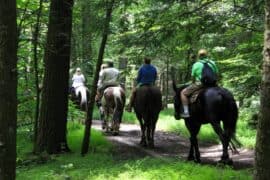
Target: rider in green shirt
{"points": [[196, 79], [198, 67]]}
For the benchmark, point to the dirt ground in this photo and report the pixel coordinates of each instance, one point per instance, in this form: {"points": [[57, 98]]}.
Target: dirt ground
{"points": [[170, 145]]}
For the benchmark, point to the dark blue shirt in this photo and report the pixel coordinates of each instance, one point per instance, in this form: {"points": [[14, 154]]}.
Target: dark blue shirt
{"points": [[147, 74]]}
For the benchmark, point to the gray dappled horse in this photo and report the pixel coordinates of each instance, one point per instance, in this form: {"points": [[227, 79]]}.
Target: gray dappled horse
{"points": [[213, 105], [112, 107], [147, 105]]}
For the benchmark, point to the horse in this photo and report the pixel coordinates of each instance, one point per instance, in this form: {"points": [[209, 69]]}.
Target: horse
{"points": [[112, 104], [147, 106], [213, 105], [80, 95]]}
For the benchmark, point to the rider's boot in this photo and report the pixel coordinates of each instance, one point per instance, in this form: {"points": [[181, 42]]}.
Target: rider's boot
{"points": [[185, 114]]}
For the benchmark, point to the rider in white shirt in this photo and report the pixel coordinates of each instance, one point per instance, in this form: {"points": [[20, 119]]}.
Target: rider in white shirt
{"points": [[78, 79]]}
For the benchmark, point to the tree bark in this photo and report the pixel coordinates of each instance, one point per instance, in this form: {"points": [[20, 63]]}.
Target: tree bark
{"points": [[8, 89], [53, 113], [35, 45], [88, 124], [262, 153], [87, 36]]}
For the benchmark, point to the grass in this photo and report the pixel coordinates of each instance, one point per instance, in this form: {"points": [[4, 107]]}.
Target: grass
{"points": [[101, 164]]}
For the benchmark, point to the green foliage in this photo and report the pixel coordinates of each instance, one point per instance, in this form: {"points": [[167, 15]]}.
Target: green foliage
{"points": [[168, 31], [74, 113]]}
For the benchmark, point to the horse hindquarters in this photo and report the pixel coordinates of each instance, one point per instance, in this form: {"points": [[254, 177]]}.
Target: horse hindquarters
{"points": [[229, 124], [226, 111], [147, 106]]}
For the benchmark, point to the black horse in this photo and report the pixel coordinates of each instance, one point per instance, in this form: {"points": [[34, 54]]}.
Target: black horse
{"points": [[147, 106], [213, 105]]}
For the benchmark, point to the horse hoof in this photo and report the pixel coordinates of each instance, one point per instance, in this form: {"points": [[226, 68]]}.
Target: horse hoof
{"points": [[197, 161], [115, 133]]}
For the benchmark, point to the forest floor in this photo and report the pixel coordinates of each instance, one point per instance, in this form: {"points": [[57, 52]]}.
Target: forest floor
{"points": [[170, 145]]}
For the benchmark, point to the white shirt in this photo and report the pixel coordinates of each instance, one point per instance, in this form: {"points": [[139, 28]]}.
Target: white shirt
{"points": [[108, 75], [78, 80]]}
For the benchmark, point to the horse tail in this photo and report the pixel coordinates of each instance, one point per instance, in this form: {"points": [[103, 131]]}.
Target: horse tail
{"points": [[119, 104], [231, 117], [149, 104], [152, 96], [83, 92]]}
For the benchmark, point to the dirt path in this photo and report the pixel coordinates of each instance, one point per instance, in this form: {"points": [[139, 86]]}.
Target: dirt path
{"points": [[170, 145]]}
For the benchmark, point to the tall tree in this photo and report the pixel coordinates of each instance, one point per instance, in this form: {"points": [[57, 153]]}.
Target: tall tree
{"points": [[262, 143], [87, 36], [35, 57], [85, 144], [53, 113], [8, 89]]}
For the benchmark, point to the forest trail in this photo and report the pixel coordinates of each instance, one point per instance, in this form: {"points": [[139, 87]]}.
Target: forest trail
{"points": [[170, 145]]}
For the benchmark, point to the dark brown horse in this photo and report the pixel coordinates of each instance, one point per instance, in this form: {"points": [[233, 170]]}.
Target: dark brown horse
{"points": [[213, 105], [147, 106], [113, 103]]}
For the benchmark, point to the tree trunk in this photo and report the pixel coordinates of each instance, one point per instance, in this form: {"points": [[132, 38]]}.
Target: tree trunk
{"points": [[88, 123], [262, 160], [35, 45], [53, 113], [8, 89], [87, 37], [123, 67]]}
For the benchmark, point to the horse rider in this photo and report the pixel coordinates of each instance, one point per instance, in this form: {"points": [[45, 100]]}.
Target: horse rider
{"points": [[77, 80], [196, 75], [147, 75], [108, 77]]}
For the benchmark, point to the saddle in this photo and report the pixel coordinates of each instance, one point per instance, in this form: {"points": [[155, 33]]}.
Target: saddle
{"points": [[194, 96]]}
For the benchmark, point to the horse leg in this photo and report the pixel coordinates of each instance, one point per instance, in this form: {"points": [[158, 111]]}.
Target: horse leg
{"points": [[148, 135], [102, 117], [107, 124], [115, 123], [143, 140], [152, 132], [225, 143], [117, 115], [194, 147]]}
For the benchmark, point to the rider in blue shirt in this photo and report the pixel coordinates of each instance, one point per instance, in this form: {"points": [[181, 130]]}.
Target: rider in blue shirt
{"points": [[147, 75]]}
